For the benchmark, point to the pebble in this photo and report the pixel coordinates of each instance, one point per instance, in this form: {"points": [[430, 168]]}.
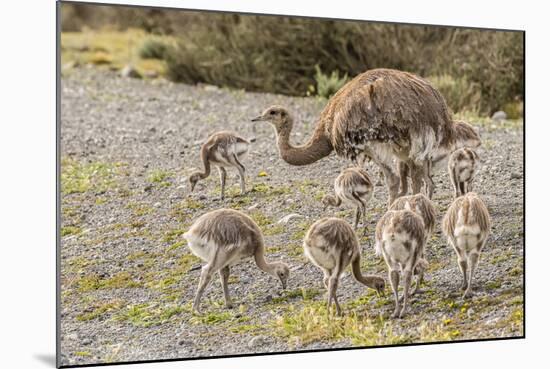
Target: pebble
{"points": [[150, 74], [289, 217], [499, 116], [130, 72], [86, 341], [257, 341], [157, 204]]}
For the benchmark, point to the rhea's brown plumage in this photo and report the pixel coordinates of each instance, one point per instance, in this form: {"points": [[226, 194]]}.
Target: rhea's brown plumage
{"points": [[383, 114]]}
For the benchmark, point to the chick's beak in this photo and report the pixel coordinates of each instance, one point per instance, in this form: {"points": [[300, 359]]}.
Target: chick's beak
{"points": [[257, 119], [284, 284]]}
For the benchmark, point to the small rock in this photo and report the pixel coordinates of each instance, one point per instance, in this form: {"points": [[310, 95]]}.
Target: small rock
{"points": [[130, 72], [470, 312], [254, 206], [86, 341], [268, 298], [499, 116], [288, 218], [210, 87], [257, 341], [70, 65], [148, 188], [150, 74], [157, 204], [515, 176], [202, 197], [195, 267], [152, 129]]}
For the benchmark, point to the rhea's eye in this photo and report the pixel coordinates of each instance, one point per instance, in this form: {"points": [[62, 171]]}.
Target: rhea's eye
{"points": [[272, 112]]}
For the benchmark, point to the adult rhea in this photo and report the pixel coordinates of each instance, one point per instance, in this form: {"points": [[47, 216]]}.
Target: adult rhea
{"points": [[382, 114]]}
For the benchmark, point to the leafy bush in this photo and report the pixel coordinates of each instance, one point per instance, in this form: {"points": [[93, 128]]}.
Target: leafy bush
{"points": [[152, 49], [459, 93], [479, 70], [328, 85]]}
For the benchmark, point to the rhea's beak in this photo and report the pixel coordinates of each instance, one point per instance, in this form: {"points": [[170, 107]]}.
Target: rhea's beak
{"points": [[257, 119], [283, 282]]}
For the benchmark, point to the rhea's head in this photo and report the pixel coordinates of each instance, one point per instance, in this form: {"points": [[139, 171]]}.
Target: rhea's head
{"points": [[277, 116]]}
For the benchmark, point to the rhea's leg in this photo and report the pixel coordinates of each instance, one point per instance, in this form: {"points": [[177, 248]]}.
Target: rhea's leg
{"points": [[407, 275], [394, 281], [223, 176], [241, 169], [473, 259], [332, 287], [428, 180], [392, 183], [419, 280], [326, 276], [462, 264], [357, 217], [224, 277], [206, 276], [454, 181]]}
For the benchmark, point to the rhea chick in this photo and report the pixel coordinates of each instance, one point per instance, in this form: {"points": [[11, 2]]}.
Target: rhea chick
{"points": [[462, 168], [425, 208], [331, 244], [467, 225], [400, 239], [421, 205], [354, 187], [223, 238], [224, 150]]}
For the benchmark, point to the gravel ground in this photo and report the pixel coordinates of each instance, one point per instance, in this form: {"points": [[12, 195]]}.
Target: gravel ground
{"points": [[127, 278]]}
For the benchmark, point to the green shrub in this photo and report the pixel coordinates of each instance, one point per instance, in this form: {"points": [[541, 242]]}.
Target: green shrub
{"points": [[459, 93], [328, 85], [152, 49]]}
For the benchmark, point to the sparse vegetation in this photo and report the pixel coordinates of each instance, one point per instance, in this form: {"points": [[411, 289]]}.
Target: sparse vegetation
{"points": [[159, 176], [80, 177], [313, 324], [148, 315], [95, 282]]}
